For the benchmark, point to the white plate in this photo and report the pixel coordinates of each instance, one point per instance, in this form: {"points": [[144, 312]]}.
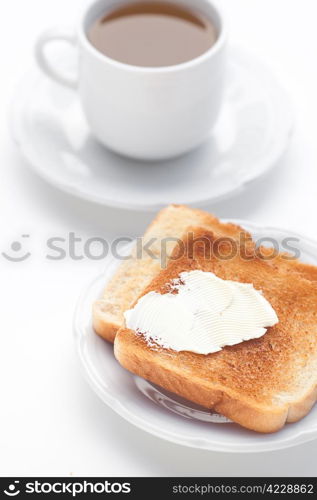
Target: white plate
{"points": [[164, 414], [251, 134]]}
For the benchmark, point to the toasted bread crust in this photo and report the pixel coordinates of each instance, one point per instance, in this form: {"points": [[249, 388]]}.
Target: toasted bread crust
{"points": [[133, 357], [241, 412], [261, 383], [101, 322]]}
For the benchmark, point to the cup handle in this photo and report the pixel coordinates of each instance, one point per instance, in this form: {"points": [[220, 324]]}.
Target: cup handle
{"points": [[53, 35]]}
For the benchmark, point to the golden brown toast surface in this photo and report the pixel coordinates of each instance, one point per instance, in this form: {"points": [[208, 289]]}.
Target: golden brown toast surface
{"points": [[135, 274], [260, 383]]}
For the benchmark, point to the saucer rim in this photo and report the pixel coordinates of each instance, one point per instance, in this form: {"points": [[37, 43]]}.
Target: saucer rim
{"points": [[264, 165]]}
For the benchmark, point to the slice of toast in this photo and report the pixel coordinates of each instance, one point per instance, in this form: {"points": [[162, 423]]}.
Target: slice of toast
{"points": [[259, 384], [134, 274]]}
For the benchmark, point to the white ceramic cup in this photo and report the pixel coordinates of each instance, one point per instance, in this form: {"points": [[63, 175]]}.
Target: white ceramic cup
{"points": [[143, 112]]}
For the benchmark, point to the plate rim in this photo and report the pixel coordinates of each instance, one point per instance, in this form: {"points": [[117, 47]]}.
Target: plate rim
{"points": [[34, 75], [118, 406]]}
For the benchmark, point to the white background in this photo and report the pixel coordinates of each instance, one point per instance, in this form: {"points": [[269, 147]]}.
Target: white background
{"points": [[51, 422]]}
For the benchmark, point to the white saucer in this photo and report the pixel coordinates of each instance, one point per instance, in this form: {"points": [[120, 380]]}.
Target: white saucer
{"points": [[161, 413], [251, 134]]}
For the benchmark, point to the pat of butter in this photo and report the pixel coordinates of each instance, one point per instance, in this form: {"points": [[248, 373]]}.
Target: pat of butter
{"points": [[202, 314]]}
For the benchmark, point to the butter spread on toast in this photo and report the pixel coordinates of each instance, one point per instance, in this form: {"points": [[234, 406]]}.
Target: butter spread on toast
{"points": [[201, 313]]}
